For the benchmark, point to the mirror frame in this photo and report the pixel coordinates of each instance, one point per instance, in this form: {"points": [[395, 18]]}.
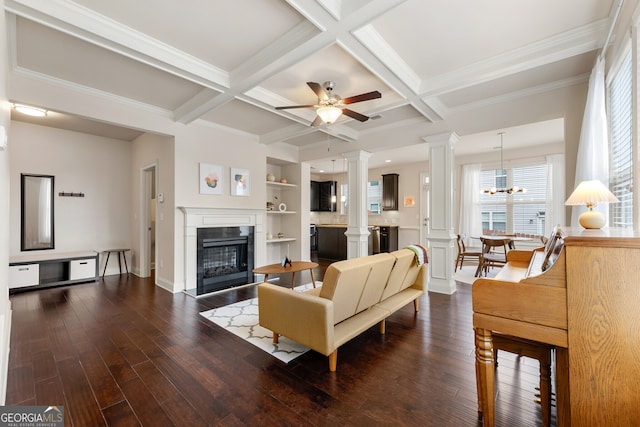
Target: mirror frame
{"points": [[24, 196]]}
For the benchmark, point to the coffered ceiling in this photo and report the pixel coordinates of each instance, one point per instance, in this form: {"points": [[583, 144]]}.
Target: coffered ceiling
{"points": [[473, 67]]}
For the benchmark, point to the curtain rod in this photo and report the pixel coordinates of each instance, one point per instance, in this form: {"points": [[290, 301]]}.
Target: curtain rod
{"points": [[611, 28]]}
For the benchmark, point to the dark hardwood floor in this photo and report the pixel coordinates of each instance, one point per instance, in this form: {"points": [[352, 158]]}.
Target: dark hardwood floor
{"points": [[123, 352]]}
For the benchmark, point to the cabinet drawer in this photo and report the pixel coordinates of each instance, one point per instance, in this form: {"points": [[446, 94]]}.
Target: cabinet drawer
{"points": [[82, 269], [24, 275]]}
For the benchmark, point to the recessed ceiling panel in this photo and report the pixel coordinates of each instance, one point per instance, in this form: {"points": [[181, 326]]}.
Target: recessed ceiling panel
{"points": [[536, 77], [438, 36], [387, 118], [53, 53], [334, 64], [246, 117], [222, 33]]}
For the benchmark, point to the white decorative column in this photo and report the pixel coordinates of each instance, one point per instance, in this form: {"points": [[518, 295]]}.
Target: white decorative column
{"points": [[358, 218], [440, 234]]}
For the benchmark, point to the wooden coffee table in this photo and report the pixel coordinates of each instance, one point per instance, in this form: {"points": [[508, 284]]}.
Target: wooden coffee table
{"points": [[293, 269]]}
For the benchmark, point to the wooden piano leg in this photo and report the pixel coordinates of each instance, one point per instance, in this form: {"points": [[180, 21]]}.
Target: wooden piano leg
{"points": [[485, 375], [562, 388]]}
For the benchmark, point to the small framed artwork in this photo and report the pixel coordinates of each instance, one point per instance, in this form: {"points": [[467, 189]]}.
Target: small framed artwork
{"points": [[211, 179], [240, 182], [409, 201]]}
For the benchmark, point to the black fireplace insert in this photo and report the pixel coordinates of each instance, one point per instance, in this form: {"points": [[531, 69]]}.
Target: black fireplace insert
{"points": [[224, 257]]}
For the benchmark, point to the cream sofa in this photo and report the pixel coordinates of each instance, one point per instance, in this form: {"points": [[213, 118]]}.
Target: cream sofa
{"points": [[355, 295]]}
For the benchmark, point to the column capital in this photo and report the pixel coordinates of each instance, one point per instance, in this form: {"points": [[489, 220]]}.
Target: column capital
{"points": [[357, 155], [442, 138]]}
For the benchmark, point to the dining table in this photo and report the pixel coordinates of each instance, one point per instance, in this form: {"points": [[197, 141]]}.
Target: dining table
{"points": [[510, 240]]}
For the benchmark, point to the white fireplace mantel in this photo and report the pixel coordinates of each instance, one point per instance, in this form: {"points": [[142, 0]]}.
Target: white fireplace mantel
{"points": [[195, 218]]}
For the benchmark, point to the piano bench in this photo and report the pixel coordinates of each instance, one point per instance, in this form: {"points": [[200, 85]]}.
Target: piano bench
{"points": [[534, 350]]}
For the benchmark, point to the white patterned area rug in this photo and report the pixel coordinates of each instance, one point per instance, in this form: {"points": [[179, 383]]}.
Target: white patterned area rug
{"points": [[241, 319]]}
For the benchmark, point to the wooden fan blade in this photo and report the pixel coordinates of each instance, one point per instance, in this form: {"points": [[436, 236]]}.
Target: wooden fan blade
{"points": [[354, 115], [318, 90], [317, 121], [295, 106], [362, 97]]}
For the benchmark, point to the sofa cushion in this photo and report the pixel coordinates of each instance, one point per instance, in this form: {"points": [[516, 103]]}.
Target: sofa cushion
{"points": [[403, 274], [356, 284]]}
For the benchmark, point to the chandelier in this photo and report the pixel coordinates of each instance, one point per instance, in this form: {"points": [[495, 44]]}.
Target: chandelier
{"points": [[510, 190]]}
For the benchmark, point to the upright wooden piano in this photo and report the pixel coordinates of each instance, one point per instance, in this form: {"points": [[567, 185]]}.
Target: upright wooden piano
{"points": [[583, 297]]}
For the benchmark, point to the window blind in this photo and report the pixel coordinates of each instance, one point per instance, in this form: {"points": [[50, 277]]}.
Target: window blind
{"points": [[621, 167]]}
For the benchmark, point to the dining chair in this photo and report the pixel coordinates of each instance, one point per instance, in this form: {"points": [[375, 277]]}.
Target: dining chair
{"points": [[494, 253], [464, 252]]}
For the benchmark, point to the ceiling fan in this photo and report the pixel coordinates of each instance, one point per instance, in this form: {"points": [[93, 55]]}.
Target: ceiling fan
{"points": [[330, 106]]}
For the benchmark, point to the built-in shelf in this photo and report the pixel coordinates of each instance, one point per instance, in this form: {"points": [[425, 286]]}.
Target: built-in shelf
{"points": [[284, 239], [281, 184], [277, 212]]}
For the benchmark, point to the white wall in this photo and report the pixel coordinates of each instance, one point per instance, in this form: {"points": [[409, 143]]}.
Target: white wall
{"points": [[81, 163], [197, 143], [151, 149]]}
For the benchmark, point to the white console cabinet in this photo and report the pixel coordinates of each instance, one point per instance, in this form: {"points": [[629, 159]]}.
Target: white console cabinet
{"points": [[36, 271]]}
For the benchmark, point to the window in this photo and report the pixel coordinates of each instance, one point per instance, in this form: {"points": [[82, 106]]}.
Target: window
{"points": [[374, 197], [520, 212], [620, 150]]}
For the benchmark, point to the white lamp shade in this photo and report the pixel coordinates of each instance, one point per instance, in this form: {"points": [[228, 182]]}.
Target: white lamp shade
{"points": [[329, 114], [591, 193]]}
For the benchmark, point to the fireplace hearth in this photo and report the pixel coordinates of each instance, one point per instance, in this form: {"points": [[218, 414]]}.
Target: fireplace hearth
{"points": [[224, 258]]}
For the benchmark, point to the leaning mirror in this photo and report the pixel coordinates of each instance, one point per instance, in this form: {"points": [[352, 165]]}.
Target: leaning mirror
{"points": [[37, 212]]}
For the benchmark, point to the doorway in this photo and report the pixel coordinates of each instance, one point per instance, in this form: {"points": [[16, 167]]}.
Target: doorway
{"points": [[148, 199]]}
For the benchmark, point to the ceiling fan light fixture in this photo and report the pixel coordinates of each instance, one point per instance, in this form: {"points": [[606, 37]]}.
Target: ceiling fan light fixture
{"points": [[29, 110], [329, 114]]}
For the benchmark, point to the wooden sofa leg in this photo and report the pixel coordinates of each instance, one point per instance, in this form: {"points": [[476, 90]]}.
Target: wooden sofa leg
{"points": [[416, 304], [383, 326], [275, 337], [333, 360]]}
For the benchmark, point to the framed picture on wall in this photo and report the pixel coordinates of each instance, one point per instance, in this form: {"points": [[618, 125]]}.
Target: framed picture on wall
{"points": [[240, 182], [211, 179]]}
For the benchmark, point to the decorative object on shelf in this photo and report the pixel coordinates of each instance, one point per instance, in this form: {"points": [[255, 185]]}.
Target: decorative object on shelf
{"points": [[240, 182], [283, 180], [211, 179], [271, 177], [286, 261], [510, 190], [282, 207], [270, 206], [269, 236], [280, 235], [590, 193], [64, 194]]}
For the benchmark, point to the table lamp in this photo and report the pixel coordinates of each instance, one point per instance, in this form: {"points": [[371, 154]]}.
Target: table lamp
{"points": [[590, 193]]}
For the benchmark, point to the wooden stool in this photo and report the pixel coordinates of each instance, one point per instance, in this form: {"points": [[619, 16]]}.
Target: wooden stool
{"points": [[532, 349]]}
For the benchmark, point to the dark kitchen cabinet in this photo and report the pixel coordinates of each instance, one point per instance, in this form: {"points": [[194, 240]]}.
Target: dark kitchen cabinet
{"points": [[321, 192], [390, 192], [388, 238], [332, 243]]}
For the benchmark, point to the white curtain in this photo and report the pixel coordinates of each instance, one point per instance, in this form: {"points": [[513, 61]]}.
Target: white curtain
{"points": [[592, 161], [470, 213], [555, 209]]}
